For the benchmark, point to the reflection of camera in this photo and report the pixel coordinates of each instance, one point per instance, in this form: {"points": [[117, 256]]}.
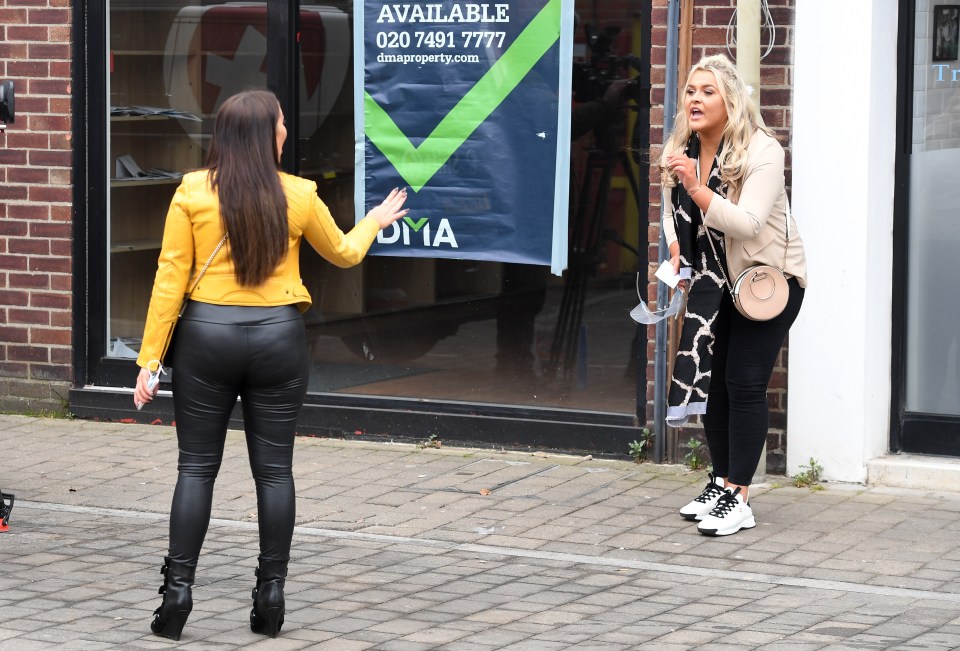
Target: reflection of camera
{"points": [[592, 79], [6, 104]]}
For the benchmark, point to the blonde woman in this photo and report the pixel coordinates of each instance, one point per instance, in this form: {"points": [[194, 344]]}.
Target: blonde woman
{"points": [[722, 174]]}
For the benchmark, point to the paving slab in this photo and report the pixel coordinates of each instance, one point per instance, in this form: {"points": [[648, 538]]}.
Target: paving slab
{"points": [[400, 547]]}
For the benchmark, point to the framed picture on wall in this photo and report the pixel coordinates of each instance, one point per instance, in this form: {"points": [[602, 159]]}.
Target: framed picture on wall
{"points": [[946, 31]]}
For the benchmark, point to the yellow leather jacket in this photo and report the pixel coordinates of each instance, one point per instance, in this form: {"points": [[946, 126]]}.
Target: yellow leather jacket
{"points": [[192, 231]]}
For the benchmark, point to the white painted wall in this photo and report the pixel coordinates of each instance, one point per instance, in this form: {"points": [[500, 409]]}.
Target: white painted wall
{"points": [[844, 121]]}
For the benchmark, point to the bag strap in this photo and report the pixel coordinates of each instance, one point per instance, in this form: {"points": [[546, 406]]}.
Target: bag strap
{"points": [[723, 270], [787, 244], [183, 303], [196, 281]]}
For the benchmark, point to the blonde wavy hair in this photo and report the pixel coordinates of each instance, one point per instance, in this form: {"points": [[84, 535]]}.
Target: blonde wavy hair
{"points": [[743, 119]]}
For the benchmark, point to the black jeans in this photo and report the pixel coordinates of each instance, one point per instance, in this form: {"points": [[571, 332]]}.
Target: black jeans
{"points": [[744, 353], [258, 354]]}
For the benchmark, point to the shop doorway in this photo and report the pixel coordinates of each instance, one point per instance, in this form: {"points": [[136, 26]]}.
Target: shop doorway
{"points": [[927, 336]]}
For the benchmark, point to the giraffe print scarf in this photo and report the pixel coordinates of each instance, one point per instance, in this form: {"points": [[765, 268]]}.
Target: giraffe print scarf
{"points": [[691, 370]]}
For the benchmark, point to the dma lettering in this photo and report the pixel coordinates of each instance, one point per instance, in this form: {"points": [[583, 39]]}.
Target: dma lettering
{"points": [[434, 13], [401, 232]]}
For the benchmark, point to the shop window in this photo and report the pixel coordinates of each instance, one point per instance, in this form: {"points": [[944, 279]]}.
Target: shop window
{"points": [[933, 306], [171, 65], [452, 330]]}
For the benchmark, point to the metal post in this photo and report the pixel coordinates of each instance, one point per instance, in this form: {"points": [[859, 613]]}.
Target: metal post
{"points": [[748, 65], [685, 48], [660, 342], [748, 45]]}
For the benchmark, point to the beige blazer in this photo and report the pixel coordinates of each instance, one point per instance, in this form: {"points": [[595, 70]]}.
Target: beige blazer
{"points": [[753, 219]]}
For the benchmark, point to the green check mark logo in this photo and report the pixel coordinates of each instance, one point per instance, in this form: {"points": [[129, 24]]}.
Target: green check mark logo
{"points": [[416, 225], [417, 165]]}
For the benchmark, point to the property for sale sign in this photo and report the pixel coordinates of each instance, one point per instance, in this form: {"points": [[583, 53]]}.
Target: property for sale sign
{"points": [[468, 106]]}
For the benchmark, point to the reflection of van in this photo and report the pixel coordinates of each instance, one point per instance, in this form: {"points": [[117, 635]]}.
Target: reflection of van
{"points": [[209, 49]]}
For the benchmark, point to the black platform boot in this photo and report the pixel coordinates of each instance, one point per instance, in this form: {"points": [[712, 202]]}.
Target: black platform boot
{"points": [[169, 618], [267, 614]]}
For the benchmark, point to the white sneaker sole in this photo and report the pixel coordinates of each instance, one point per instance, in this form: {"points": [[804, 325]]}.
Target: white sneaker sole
{"points": [[700, 511], [749, 523], [694, 517]]}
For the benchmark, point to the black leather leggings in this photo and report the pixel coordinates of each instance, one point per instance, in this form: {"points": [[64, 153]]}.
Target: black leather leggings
{"points": [[744, 354], [258, 354]]}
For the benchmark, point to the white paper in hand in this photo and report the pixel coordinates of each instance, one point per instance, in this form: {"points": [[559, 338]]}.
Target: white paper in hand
{"points": [[665, 273]]}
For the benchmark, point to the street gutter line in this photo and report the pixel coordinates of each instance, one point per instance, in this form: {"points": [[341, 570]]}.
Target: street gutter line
{"points": [[514, 552]]}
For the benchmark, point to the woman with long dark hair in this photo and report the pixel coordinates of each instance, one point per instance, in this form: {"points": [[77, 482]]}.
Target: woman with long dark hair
{"points": [[241, 335]]}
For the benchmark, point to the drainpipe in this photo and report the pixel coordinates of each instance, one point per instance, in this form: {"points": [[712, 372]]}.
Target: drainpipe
{"points": [[660, 342], [748, 65], [748, 45], [685, 54]]}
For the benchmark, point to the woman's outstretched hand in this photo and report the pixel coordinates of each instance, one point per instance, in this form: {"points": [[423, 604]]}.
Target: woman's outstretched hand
{"points": [[391, 209]]}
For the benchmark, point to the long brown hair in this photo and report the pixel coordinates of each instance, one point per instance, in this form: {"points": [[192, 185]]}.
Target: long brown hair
{"points": [[243, 163]]}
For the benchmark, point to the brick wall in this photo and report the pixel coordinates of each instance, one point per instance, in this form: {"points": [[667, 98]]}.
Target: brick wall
{"points": [[36, 207]]}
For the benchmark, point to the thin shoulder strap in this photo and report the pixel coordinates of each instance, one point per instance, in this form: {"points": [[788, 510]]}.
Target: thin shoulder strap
{"points": [[196, 281], [786, 246]]}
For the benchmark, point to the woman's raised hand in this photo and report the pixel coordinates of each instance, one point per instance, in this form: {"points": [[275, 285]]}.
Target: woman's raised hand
{"points": [[391, 209], [685, 168]]}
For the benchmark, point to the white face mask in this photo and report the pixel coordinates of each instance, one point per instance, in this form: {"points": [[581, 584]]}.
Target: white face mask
{"points": [[642, 314]]}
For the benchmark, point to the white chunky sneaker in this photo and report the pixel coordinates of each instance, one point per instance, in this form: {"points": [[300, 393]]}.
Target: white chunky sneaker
{"points": [[730, 515], [705, 501]]}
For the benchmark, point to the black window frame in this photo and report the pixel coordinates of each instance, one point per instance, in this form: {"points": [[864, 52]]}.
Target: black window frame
{"points": [[910, 432], [101, 383]]}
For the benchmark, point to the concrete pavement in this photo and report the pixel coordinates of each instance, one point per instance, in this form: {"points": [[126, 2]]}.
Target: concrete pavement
{"points": [[399, 547]]}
